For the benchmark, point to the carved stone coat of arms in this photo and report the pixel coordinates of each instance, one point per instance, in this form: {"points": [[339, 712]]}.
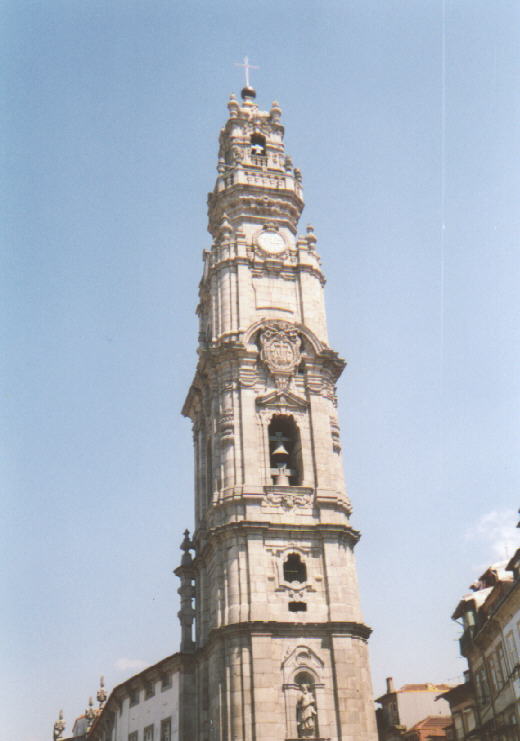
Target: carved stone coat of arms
{"points": [[280, 348]]}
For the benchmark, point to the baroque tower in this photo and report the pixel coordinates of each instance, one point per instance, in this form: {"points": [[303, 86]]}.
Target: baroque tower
{"points": [[279, 650]]}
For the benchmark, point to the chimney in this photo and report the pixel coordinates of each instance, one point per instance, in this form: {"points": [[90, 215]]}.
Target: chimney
{"points": [[390, 685]]}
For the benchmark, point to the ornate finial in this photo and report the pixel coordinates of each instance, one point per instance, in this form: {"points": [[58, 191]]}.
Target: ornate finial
{"points": [[275, 112], [90, 713], [248, 94], [297, 174], [310, 236], [101, 695], [186, 546], [288, 163], [59, 727], [186, 543], [233, 106]]}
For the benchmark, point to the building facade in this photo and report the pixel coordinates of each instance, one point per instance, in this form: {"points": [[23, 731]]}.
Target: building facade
{"points": [[273, 647], [145, 707], [461, 699], [490, 642], [408, 708]]}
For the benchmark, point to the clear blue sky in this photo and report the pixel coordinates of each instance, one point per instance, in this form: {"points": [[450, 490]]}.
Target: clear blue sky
{"points": [[110, 118]]}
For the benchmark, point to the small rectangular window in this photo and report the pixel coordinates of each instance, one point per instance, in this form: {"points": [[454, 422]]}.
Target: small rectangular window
{"points": [[166, 681], [493, 674], [134, 697], [482, 687], [149, 690], [134, 736], [297, 607], [148, 733], [459, 726], [501, 665], [166, 729], [469, 719], [511, 650]]}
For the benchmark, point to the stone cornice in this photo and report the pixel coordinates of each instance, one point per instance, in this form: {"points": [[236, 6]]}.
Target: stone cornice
{"points": [[288, 269], [243, 201], [287, 630], [272, 529]]}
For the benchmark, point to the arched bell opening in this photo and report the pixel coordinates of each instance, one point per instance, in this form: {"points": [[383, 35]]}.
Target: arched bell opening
{"points": [[294, 569], [285, 451], [258, 145]]}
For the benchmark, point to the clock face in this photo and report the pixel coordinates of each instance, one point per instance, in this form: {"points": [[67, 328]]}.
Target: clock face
{"points": [[271, 242]]}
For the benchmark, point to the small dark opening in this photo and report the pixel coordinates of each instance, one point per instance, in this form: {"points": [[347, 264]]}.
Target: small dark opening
{"points": [[258, 144], [297, 607], [294, 569]]}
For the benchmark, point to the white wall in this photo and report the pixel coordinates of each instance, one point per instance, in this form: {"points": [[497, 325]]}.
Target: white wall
{"points": [[164, 704]]}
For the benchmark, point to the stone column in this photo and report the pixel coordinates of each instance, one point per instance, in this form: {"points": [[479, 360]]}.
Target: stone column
{"points": [[186, 574]]}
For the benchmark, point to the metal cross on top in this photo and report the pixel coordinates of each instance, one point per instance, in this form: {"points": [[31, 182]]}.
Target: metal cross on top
{"points": [[245, 64]]}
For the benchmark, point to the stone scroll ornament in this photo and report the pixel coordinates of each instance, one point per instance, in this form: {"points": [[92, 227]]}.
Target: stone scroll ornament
{"points": [[280, 351]]}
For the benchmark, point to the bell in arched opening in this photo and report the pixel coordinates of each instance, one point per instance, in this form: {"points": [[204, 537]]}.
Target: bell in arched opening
{"points": [[284, 451]]}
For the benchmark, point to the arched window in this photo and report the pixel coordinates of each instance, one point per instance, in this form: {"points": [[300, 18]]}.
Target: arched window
{"points": [[294, 569], [258, 145], [285, 451]]}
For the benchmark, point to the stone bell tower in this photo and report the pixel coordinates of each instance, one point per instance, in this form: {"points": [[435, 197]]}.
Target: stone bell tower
{"points": [[280, 647]]}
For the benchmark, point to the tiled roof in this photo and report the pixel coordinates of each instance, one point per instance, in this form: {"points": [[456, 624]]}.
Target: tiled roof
{"points": [[432, 721], [425, 687]]}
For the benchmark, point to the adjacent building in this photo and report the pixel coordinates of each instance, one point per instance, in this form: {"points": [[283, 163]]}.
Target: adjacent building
{"points": [[487, 706], [463, 710], [403, 709]]}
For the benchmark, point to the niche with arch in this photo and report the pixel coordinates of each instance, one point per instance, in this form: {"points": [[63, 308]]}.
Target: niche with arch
{"points": [[304, 694], [306, 711]]}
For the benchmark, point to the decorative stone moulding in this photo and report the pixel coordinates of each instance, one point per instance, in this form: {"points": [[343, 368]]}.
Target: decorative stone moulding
{"points": [[287, 497], [301, 657], [334, 431], [227, 427]]}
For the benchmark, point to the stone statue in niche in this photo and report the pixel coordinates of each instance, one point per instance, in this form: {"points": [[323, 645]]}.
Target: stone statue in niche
{"points": [[306, 713]]}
